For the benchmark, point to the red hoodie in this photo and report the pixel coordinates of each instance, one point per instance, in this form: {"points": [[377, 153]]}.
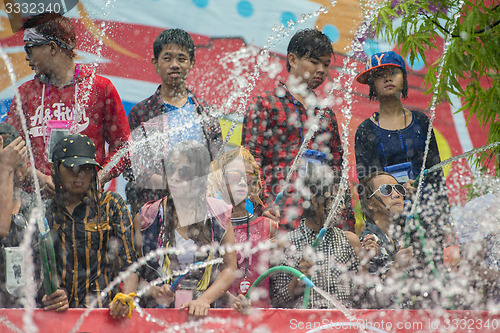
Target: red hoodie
{"points": [[102, 117]]}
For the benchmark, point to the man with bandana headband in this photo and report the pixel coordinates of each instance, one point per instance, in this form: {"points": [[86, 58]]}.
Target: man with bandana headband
{"points": [[65, 97]]}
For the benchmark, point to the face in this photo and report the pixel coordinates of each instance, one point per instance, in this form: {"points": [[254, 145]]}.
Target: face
{"points": [[179, 173], [323, 203], [252, 178], [388, 81], [76, 180], [310, 71], [394, 202], [236, 178], [37, 56], [173, 64]]}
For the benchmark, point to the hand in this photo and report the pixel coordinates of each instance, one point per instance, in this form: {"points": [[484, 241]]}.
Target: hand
{"points": [[12, 155], [410, 190], [305, 267], [296, 288], [369, 247], [197, 307], [272, 212], [118, 309], [403, 258], [163, 295], [56, 301], [240, 303]]}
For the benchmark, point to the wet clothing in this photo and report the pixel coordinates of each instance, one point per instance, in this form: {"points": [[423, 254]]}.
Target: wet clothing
{"points": [[14, 239], [205, 126], [335, 261], [153, 216], [376, 148], [93, 249], [273, 135], [96, 111], [258, 230], [386, 252]]}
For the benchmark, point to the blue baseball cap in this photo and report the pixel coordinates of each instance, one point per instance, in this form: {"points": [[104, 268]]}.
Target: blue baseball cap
{"points": [[378, 60]]}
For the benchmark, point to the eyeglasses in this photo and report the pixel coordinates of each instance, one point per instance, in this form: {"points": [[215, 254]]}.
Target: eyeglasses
{"points": [[234, 177], [184, 172], [28, 47], [386, 190]]}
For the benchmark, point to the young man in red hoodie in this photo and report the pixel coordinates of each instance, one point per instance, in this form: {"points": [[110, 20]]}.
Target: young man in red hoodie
{"points": [[66, 97]]}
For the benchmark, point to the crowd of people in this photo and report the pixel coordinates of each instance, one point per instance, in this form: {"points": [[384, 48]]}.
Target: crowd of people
{"points": [[210, 221]]}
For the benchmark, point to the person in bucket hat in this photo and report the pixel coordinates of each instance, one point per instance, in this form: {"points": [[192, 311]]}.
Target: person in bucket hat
{"points": [[84, 219], [393, 140]]}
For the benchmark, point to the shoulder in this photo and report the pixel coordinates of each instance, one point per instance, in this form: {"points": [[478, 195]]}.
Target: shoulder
{"points": [[421, 118], [196, 100], [149, 212], [113, 198], [30, 84], [142, 105], [353, 240], [220, 210], [367, 124], [265, 98]]}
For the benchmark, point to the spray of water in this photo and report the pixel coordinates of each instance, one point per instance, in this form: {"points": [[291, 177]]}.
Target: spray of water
{"points": [[447, 43]]}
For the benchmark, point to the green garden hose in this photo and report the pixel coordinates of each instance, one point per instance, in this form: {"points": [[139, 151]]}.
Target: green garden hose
{"points": [[290, 270]]}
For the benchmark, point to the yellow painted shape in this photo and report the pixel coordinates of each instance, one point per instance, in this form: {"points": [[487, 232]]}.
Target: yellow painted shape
{"points": [[225, 125], [444, 150], [345, 15], [5, 23]]}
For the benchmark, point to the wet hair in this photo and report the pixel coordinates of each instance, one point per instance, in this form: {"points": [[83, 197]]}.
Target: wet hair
{"points": [[200, 232], [373, 93], [59, 203], [217, 181], [174, 36], [55, 25], [365, 189], [309, 43]]}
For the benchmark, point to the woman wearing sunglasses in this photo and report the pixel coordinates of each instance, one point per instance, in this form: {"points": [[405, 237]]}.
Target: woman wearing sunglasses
{"points": [[190, 222], [382, 203], [235, 178], [393, 139]]}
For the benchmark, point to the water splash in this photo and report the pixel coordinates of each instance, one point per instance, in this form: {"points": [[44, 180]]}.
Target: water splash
{"points": [[29, 290], [447, 43]]}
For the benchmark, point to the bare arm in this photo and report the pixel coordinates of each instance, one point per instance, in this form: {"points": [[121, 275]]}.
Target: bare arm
{"points": [[10, 158]]}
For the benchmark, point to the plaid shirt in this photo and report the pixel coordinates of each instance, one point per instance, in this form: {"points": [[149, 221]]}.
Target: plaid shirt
{"points": [[154, 106], [91, 251], [335, 261], [271, 133]]}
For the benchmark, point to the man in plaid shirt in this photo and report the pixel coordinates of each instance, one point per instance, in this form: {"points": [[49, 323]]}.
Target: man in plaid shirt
{"points": [[172, 108], [331, 265], [277, 122]]}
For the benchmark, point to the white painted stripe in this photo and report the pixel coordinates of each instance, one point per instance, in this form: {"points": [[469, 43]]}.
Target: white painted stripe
{"points": [[460, 125]]}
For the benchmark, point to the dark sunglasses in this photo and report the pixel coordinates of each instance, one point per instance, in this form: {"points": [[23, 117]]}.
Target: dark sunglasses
{"points": [[184, 172], [28, 47], [386, 190], [234, 177]]}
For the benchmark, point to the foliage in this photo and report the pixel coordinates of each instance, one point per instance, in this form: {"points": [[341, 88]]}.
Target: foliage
{"points": [[472, 63]]}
